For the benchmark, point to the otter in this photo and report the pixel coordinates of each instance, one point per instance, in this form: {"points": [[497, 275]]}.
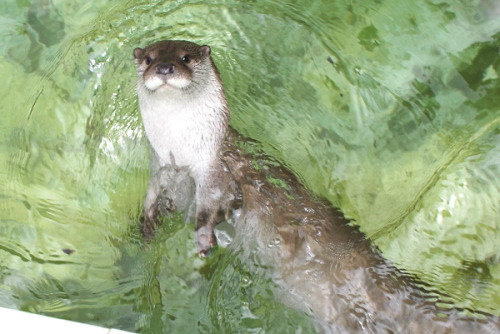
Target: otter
{"points": [[323, 265], [185, 116]]}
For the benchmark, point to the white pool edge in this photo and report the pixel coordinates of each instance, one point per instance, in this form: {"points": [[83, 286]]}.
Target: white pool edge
{"points": [[20, 322]]}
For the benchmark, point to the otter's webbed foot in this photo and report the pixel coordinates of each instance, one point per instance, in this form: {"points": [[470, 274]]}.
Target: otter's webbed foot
{"points": [[204, 232]]}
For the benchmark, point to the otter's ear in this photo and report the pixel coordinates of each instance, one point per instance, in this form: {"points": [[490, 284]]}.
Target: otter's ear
{"points": [[205, 50], [138, 53]]}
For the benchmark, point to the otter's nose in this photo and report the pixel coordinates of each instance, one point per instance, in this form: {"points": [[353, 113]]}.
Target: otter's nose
{"points": [[165, 68]]}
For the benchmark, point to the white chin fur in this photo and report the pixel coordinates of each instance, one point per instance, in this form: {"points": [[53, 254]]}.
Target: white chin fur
{"points": [[178, 82], [155, 82]]}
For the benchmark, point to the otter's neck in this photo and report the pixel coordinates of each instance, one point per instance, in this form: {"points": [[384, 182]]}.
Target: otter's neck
{"points": [[188, 125]]}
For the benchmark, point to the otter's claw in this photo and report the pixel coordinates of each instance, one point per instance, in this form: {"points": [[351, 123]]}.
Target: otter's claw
{"points": [[205, 240]]}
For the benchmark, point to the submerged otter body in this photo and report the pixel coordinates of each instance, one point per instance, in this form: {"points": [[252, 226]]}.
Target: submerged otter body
{"points": [[326, 267], [323, 265]]}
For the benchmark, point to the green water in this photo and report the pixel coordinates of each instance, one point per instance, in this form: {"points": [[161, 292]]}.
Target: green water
{"points": [[389, 109]]}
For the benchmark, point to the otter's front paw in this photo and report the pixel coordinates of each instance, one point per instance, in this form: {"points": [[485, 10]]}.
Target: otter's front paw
{"points": [[162, 206], [148, 227], [205, 240]]}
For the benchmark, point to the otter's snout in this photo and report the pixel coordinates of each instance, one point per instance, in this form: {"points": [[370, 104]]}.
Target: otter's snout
{"points": [[165, 68]]}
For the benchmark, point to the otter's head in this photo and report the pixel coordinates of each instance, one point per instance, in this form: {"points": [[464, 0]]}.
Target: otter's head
{"points": [[179, 65]]}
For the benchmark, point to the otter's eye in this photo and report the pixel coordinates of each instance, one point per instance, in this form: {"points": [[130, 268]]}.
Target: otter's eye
{"points": [[186, 59], [149, 60]]}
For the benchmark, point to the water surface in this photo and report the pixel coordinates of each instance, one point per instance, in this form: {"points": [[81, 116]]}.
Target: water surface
{"points": [[387, 109]]}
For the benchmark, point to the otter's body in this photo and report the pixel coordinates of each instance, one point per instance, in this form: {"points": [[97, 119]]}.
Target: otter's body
{"points": [[185, 115], [323, 265]]}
